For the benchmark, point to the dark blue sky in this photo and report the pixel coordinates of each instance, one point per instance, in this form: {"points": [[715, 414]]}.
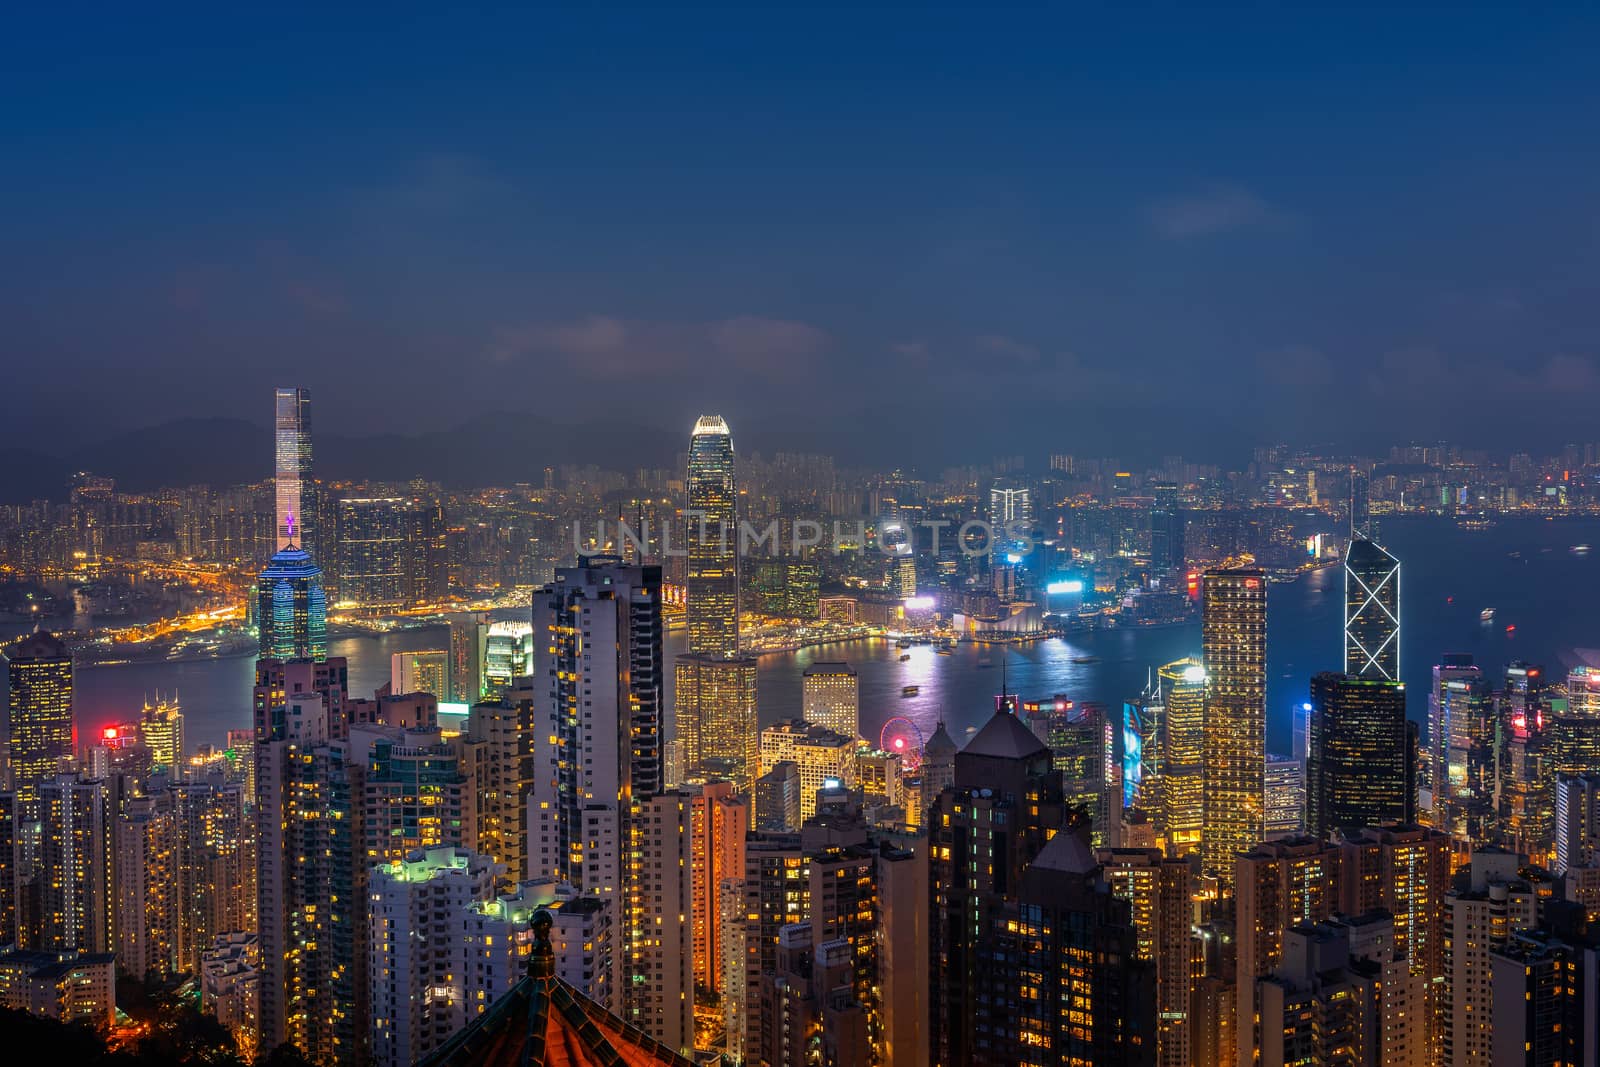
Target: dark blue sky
{"points": [[1034, 227]]}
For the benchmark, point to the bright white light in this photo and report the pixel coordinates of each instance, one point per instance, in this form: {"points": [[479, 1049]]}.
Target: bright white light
{"points": [[920, 603], [1071, 586], [1012, 557], [1194, 674]]}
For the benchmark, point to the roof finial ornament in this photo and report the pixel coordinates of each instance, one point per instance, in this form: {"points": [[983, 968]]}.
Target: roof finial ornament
{"points": [[542, 960]]}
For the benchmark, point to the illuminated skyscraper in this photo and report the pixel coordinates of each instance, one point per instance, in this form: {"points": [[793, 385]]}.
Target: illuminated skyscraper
{"points": [[1360, 770], [375, 543], [1010, 505], [1183, 690], [820, 755], [720, 821], [161, 730], [1371, 612], [1234, 644], [1359, 509], [291, 608], [425, 671], [1158, 892], [77, 890], [712, 541], [831, 697], [296, 492], [507, 654], [714, 699], [1458, 724], [42, 729]]}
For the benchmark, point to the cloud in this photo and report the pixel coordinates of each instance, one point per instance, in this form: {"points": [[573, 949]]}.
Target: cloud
{"points": [[439, 185], [1296, 365], [1007, 350], [1217, 208], [605, 345], [1568, 373], [752, 339]]}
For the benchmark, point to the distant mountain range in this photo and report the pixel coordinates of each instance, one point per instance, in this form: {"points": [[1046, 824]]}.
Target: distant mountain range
{"points": [[494, 450]]}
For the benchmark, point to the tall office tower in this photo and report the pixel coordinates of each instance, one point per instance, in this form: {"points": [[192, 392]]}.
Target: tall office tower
{"points": [[1279, 885], [720, 821], [291, 607], [213, 853], [1167, 524], [1010, 506], [1360, 771], [1082, 744], [78, 890], [1404, 870], [466, 658], [1019, 908], [1371, 612], [161, 730], [41, 727], [425, 671], [712, 541], [658, 940], [777, 799], [507, 654], [146, 879], [8, 869], [1488, 904], [1359, 508], [819, 754], [597, 727], [374, 538], [1461, 744], [714, 701], [497, 754], [1182, 743], [296, 491], [1577, 821], [1158, 891], [1286, 797], [1234, 649], [1341, 995], [903, 956], [427, 985], [831, 697]]}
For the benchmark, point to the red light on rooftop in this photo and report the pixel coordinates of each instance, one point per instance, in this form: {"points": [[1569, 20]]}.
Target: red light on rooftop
{"points": [[110, 733]]}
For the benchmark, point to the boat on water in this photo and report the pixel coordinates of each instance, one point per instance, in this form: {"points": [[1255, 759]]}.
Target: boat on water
{"points": [[904, 642], [1487, 615], [1086, 659], [910, 690], [905, 657], [943, 650], [1580, 550]]}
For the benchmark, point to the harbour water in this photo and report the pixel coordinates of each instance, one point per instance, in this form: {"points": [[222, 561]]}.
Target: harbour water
{"points": [[1524, 568]]}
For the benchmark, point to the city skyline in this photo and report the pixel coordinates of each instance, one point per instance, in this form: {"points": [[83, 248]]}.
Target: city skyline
{"points": [[964, 210]]}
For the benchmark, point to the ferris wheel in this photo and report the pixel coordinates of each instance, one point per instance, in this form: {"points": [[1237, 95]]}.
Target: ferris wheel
{"points": [[901, 737]]}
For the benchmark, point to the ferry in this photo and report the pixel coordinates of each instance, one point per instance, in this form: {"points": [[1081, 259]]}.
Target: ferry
{"points": [[1487, 615], [904, 642], [905, 657], [1580, 550], [910, 691], [1086, 659], [943, 650]]}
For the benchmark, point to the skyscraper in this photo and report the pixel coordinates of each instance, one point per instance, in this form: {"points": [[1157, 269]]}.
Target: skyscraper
{"points": [[597, 726], [1371, 611], [77, 890], [376, 540], [831, 695], [291, 608], [1183, 692], [714, 700], [295, 490], [712, 541], [1359, 773], [1359, 508], [161, 730], [1234, 647], [42, 728], [1458, 720]]}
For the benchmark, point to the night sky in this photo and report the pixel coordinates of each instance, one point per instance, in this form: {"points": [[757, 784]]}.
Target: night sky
{"points": [[1029, 228]]}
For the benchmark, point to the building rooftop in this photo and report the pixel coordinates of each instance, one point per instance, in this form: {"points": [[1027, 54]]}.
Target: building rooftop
{"points": [[710, 424], [1006, 738], [544, 1022]]}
